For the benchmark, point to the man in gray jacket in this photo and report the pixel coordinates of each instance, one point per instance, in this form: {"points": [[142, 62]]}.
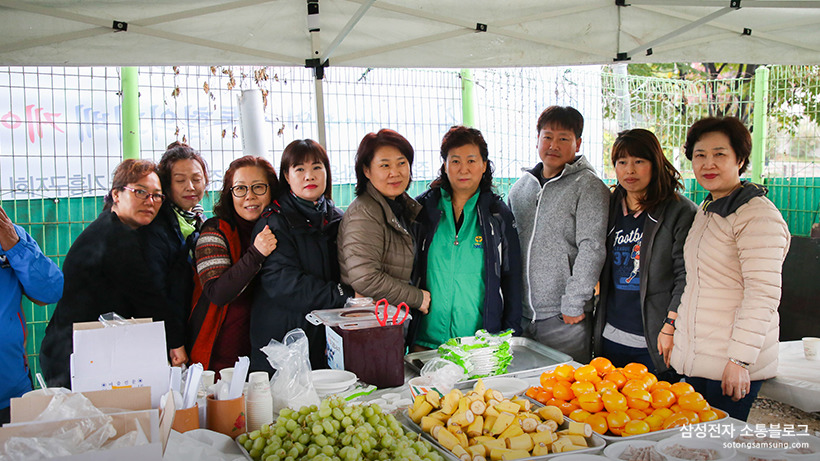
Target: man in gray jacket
{"points": [[561, 210]]}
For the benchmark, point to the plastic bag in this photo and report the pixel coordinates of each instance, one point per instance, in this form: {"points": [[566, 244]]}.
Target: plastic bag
{"points": [[112, 319], [442, 374], [88, 433], [291, 385]]}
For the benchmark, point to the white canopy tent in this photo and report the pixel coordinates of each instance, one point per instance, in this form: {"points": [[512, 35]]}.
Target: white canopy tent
{"points": [[417, 33], [393, 33]]}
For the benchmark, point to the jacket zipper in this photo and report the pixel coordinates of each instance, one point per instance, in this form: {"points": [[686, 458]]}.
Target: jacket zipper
{"points": [[529, 248]]}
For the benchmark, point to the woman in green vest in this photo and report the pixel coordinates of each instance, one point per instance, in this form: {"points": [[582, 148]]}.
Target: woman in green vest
{"points": [[468, 254]]}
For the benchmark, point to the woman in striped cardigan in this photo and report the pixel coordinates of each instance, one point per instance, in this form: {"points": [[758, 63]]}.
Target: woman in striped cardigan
{"points": [[227, 261]]}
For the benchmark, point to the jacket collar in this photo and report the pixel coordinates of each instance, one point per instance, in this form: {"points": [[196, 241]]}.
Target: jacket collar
{"points": [[725, 206], [411, 207]]}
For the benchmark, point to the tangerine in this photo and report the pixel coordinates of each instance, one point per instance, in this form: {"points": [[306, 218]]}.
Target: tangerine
{"points": [[586, 373], [655, 422], [562, 391], [616, 421], [614, 401], [635, 427], [660, 385], [580, 415], [693, 401], [635, 370], [591, 402], [533, 391], [663, 413], [675, 407], [708, 415], [635, 413], [633, 384], [543, 396], [580, 388], [548, 383], [662, 398], [605, 386], [691, 415], [681, 388], [545, 378], [602, 365], [638, 399], [675, 420], [564, 372], [567, 407], [555, 402], [649, 379], [616, 377], [598, 423]]}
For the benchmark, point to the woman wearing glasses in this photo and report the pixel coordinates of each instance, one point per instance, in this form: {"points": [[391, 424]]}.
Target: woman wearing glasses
{"points": [[227, 261], [170, 239], [303, 273], [106, 269]]}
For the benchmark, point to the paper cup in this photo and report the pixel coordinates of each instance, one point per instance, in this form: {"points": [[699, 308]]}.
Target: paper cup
{"points": [[226, 374], [226, 416], [420, 386], [208, 379], [186, 420], [811, 347]]}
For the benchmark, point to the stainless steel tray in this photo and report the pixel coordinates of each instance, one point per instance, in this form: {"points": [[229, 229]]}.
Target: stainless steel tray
{"points": [[528, 356], [596, 442], [655, 436]]}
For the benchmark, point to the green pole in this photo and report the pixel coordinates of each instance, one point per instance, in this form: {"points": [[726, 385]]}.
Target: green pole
{"points": [[467, 98], [130, 112], [761, 115]]}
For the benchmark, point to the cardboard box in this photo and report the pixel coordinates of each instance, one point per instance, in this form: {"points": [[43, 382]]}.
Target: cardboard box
{"points": [[127, 356], [135, 402]]}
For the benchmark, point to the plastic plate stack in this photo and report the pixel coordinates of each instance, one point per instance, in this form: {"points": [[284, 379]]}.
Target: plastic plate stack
{"points": [[328, 382]]}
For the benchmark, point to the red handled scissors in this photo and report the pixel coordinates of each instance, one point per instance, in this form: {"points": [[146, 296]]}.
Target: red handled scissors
{"points": [[383, 303]]}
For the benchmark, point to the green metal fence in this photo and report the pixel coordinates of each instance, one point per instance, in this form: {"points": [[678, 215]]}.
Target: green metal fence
{"points": [[53, 170]]}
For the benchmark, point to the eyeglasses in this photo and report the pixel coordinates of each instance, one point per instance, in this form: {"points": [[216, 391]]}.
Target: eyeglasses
{"points": [[241, 191], [145, 195]]}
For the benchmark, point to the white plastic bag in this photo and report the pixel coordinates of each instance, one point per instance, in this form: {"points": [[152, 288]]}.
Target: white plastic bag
{"points": [[442, 374], [291, 385]]}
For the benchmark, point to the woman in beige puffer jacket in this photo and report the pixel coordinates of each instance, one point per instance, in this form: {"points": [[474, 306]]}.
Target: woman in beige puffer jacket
{"points": [[726, 337], [376, 248]]}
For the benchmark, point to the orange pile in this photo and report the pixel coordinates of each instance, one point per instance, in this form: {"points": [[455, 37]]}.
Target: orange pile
{"points": [[621, 401]]}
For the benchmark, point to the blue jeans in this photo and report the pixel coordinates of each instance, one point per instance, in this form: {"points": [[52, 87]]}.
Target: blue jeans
{"points": [[712, 392], [620, 355]]}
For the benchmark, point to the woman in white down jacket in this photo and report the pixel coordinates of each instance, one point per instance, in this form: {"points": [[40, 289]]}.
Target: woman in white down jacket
{"points": [[726, 337]]}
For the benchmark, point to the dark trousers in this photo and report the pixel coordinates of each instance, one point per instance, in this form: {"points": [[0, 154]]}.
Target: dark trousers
{"points": [[620, 355], [712, 392]]}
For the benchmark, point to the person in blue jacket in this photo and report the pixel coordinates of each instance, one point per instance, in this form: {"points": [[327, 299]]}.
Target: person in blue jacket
{"points": [[467, 252], [24, 270]]}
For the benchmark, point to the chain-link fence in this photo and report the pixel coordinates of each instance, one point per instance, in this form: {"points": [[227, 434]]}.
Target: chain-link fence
{"points": [[60, 128]]}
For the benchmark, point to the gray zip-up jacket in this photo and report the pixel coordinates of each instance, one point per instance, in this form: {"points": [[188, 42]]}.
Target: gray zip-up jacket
{"points": [[562, 229]]}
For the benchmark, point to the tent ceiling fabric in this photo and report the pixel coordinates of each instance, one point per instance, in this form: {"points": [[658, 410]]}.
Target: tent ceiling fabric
{"points": [[409, 33]]}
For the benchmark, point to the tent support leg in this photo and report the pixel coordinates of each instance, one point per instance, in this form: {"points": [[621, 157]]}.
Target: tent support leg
{"points": [[467, 98], [320, 111], [761, 113], [130, 112]]}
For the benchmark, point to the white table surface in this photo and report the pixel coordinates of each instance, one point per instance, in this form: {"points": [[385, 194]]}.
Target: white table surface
{"points": [[798, 379]]}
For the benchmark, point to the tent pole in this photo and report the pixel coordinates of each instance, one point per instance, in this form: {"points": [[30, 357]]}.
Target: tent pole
{"points": [[320, 110], [130, 112], [467, 98], [761, 114]]}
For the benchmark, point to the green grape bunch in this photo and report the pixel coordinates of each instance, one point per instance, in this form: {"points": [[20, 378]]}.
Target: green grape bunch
{"points": [[335, 431]]}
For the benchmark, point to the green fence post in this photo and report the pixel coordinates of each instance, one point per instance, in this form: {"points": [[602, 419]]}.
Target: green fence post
{"points": [[130, 112], [467, 98], [761, 113]]}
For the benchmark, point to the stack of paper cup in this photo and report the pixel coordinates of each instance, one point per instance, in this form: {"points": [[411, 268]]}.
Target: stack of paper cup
{"points": [[258, 401]]}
